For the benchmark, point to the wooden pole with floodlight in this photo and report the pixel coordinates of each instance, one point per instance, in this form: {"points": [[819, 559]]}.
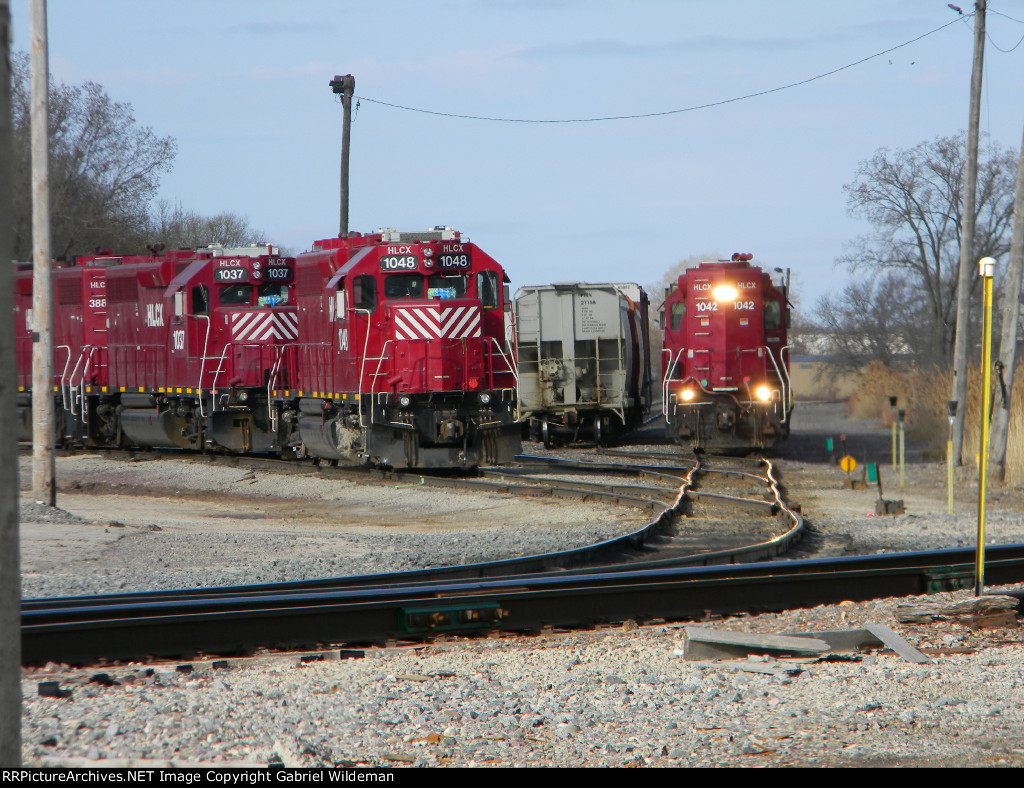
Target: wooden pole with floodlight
{"points": [[344, 86]]}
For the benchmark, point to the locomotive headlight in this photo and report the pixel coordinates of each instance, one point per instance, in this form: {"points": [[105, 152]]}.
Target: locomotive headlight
{"points": [[687, 395], [243, 396], [763, 393], [724, 293], [404, 401], [485, 398]]}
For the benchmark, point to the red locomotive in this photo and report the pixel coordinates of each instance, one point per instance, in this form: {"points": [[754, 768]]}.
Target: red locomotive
{"points": [[406, 355], [725, 360], [171, 350], [389, 348]]}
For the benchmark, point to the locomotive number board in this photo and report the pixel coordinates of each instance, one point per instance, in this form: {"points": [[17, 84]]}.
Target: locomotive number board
{"points": [[279, 274], [454, 261], [399, 262], [230, 275], [454, 257]]}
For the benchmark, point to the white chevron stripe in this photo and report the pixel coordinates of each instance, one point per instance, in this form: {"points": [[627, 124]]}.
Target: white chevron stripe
{"points": [[436, 322], [263, 326]]}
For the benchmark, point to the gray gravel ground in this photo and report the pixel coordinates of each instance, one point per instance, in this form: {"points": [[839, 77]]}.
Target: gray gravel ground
{"points": [[620, 696]]}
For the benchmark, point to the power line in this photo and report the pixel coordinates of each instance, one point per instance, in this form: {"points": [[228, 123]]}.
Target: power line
{"points": [[693, 108]]}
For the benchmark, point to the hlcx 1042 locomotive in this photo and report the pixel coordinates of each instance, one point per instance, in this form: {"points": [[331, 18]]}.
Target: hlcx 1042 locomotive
{"points": [[390, 348], [725, 358]]}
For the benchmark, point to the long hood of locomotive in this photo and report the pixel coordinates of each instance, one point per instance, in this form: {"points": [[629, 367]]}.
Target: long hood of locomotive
{"points": [[438, 347]]}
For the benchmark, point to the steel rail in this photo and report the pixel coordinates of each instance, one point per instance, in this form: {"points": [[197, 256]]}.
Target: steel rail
{"points": [[607, 556], [415, 611]]}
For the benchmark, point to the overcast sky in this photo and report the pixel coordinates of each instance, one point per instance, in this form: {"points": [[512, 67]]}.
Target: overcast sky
{"points": [[243, 88]]}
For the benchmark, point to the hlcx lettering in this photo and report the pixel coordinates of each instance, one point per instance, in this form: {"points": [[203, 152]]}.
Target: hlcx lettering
{"points": [[154, 315]]}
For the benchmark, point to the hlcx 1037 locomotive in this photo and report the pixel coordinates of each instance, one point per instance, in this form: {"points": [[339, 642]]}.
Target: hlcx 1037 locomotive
{"points": [[725, 359], [390, 348], [168, 350]]}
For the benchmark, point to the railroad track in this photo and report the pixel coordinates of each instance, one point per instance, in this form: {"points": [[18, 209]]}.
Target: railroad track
{"points": [[109, 626], [226, 623]]}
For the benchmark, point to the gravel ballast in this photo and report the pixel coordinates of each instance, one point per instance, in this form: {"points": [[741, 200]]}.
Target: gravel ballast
{"points": [[618, 696]]}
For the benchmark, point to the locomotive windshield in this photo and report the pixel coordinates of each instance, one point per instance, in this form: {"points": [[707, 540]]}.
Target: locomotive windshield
{"points": [[272, 294], [436, 286], [446, 286], [403, 286], [232, 295]]}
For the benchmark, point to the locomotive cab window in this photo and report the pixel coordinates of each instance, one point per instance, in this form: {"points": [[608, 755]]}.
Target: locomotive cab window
{"points": [[272, 294], [235, 295], [446, 286], [772, 315], [487, 289], [364, 293], [678, 312], [403, 286], [200, 300]]}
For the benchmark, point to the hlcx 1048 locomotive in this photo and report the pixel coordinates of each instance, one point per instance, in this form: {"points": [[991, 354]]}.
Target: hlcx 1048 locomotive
{"points": [[390, 348], [725, 359]]}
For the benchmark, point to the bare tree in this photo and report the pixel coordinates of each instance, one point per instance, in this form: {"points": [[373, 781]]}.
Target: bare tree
{"points": [[104, 167], [875, 320], [912, 197], [178, 228]]}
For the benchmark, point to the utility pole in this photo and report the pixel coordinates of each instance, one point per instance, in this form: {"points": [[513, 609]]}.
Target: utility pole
{"points": [[10, 563], [344, 86], [43, 467], [967, 261], [1010, 311]]}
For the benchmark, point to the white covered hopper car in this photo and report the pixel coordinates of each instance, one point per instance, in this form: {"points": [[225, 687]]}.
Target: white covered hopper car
{"points": [[584, 360]]}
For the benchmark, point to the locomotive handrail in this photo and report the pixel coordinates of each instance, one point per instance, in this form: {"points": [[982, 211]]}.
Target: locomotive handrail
{"points": [[377, 374], [785, 368], [202, 361], [216, 374], [782, 381], [673, 363], [362, 364], [71, 381], [508, 364], [81, 384], [64, 374], [275, 368]]}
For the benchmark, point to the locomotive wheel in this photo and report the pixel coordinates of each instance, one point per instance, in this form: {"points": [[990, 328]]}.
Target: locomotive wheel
{"points": [[545, 434], [600, 438]]}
